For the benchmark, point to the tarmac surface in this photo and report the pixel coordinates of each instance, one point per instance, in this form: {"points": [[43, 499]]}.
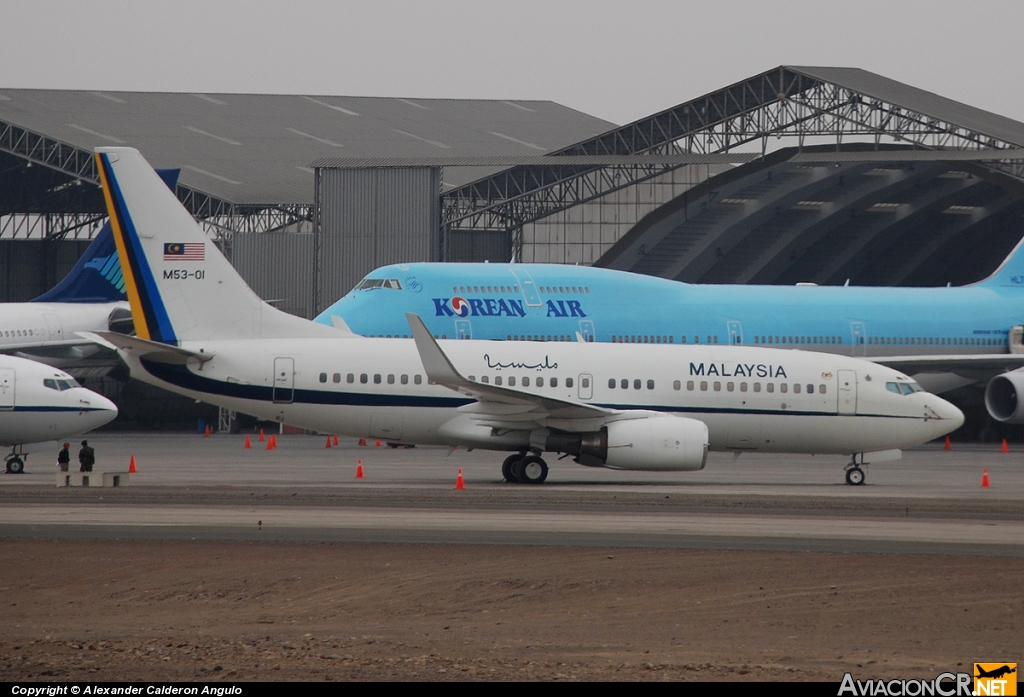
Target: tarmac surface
{"points": [[194, 487], [221, 563]]}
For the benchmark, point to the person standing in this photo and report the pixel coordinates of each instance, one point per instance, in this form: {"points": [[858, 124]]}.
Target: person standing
{"points": [[86, 457], [64, 458]]}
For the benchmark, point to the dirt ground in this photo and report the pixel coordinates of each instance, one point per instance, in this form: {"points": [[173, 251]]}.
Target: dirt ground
{"points": [[171, 610]]}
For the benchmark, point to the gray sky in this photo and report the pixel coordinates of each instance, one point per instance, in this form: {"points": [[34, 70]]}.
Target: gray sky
{"points": [[616, 60]]}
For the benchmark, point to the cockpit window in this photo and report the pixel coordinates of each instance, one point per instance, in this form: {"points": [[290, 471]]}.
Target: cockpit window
{"points": [[52, 384], [372, 283], [903, 387]]}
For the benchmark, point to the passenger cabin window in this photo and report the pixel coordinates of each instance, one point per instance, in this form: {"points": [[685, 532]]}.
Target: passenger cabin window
{"points": [[568, 382], [323, 377], [417, 379]]}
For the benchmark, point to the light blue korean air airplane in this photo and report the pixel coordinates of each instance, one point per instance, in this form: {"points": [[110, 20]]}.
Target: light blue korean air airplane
{"points": [[947, 337]]}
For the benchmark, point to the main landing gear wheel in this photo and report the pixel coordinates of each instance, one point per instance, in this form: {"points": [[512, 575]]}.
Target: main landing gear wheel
{"points": [[15, 466], [855, 476], [509, 470], [532, 470]]}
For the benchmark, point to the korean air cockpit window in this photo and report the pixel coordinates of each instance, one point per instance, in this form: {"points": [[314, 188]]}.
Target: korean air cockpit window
{"points": [[372, 283]]}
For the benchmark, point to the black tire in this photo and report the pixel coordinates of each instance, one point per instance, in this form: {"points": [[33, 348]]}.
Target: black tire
{"points": [[508, 468], [15, 466], [533, 470], [855, 476]]}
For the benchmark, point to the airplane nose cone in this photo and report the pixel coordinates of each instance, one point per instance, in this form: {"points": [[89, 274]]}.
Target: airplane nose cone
{"points": [[950, 417], [97, 410]]}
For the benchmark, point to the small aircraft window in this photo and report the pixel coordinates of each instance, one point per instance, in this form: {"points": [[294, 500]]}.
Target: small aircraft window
{"points": [[455, 289], [729, 386], [405, 379], [418, 379], [743, 387], [52, 384], [391, 379], [636, 384], [796, 388], [783, 388], [515, 289], [624, 383], [568, 382], [526, 382], [553, 382], [376, 378], [703, 386], [585, 383], [350, 378], [770, 387], [821, 389], [337, 377], [611, 383], [363, 378], [757, 387], [683, 340], [511, 380], [650, 384], [671, 340], [718, 386], [810, 388], [462, 289], [485, 379], [676, 385], [323, 377], [472, 378]]}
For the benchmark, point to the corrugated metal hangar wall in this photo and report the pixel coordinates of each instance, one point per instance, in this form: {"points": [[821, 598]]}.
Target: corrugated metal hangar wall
{"points": [[373, 217]]}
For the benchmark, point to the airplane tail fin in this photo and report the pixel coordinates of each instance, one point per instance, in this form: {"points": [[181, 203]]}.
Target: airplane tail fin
{"points": [[97, 277], [179, 285], [1010, 273]]}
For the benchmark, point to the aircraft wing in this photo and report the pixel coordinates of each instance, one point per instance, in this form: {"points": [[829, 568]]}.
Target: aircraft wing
{"points": [[153, 350], [499, 407], [971, 366]]}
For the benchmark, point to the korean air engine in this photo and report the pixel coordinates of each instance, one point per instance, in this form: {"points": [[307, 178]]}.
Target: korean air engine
{"points": [[655, 443], [1003, 397]]}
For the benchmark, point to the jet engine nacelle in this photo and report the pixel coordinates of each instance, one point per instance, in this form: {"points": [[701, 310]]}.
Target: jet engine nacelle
{"points": [[1003, 397], [655, 443]]}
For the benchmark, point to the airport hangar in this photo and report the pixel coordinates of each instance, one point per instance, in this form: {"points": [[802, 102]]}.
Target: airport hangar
{"points": [[799, 174]]}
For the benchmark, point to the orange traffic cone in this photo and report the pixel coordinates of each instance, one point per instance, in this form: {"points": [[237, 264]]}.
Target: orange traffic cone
{"points": [[207, 434], [335, 439], [131, 466], [1005, 448], [377, 444], [261, 436], [248, 444], [271, 442], [328, 442], [949, 446], [460, 483], [359, 470], [362, 441], [984, 479]]}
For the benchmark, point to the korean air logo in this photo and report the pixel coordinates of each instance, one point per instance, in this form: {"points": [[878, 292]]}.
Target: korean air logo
{"points": [[459, 306]]}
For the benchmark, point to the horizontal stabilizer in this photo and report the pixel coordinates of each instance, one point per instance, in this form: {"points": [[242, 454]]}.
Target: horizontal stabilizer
{"points": [[141, 348]]}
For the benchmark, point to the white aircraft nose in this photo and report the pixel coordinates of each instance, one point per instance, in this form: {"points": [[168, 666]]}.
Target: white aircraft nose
{"points": [[950, 417], [96, 409]]}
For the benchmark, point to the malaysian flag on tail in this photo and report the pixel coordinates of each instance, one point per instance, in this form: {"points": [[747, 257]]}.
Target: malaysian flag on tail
{"points": [[184, 251]]}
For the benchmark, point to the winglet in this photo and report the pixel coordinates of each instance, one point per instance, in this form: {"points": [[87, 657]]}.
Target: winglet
{"points": [[435, 363]]}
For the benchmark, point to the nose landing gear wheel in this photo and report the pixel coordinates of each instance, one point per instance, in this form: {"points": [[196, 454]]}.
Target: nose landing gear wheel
{"points": [[855, 476], [509, 470], [15, 466], [533, 470]]}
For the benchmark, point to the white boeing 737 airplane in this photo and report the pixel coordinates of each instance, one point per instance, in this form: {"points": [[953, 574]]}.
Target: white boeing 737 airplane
{"points": [[40, 404], [203, 333]]}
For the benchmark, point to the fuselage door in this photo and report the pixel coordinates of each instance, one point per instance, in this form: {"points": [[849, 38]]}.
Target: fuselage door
{"points": [[53, 326], [586, 386], [859, 335], [735, 332], [847, 392], [284, 380], [527, 286], [6, 388], [587, 330]]}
